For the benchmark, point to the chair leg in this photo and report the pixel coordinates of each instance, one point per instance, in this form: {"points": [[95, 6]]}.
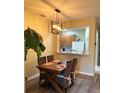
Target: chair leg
{"points": [[72, 83], [40, 79], [65, 90], [72, 79], [73, 76]]}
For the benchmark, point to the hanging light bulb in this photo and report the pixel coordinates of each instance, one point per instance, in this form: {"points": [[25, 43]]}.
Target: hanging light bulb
{"points": [[56, 26]]}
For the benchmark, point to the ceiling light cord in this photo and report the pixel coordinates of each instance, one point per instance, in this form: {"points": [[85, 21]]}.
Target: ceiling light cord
{"points": [[57, 15], [58, 18]]}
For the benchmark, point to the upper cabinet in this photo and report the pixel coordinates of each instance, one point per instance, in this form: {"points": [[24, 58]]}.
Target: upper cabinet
{"points": [[66, 40]]}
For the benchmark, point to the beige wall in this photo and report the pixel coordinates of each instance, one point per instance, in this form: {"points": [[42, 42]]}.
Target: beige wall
{"points": [[85, 62], [41, 25]]}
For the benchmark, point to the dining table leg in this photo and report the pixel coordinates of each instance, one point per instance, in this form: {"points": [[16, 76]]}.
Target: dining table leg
{"points": [[51, 79], [56, 86]]}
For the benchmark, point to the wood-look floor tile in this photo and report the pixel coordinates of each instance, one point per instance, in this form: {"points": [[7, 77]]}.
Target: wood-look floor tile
{"points": [[82, 84]]}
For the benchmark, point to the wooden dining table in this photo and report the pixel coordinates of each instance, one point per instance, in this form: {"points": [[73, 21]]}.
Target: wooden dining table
{"points": [[51, 69]]}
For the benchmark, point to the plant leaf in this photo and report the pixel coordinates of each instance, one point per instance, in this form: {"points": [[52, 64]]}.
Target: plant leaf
{"points": [[32, 40]]}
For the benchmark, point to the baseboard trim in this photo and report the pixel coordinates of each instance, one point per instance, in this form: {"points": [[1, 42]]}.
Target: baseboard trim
{"points": [[78, 72], [88, 74], [32, 77], [97, 72]]}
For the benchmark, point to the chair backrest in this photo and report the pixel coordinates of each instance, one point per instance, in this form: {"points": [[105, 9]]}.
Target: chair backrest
{"points": [[68, 68], [74, 64], [50, 58], [42, 60]]}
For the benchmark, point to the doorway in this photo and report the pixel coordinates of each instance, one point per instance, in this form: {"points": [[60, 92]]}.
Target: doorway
{"points": [[97, 52]]}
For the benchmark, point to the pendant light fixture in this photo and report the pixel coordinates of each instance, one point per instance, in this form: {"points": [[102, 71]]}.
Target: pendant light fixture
{"points": [[56, 26]]}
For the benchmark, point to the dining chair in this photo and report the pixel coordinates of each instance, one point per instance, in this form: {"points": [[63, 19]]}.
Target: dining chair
{"points": [[50, 58], [64, 80], [41, 61], [73, 70]]}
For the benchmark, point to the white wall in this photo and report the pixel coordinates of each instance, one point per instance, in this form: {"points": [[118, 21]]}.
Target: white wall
{"points": [[41, 26]]}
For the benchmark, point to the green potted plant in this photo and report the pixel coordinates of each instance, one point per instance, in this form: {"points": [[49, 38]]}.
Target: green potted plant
{"points": [[34, 41]]}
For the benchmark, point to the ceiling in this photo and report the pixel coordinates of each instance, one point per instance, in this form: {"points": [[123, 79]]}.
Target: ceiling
{"points": [[70, 9]]}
